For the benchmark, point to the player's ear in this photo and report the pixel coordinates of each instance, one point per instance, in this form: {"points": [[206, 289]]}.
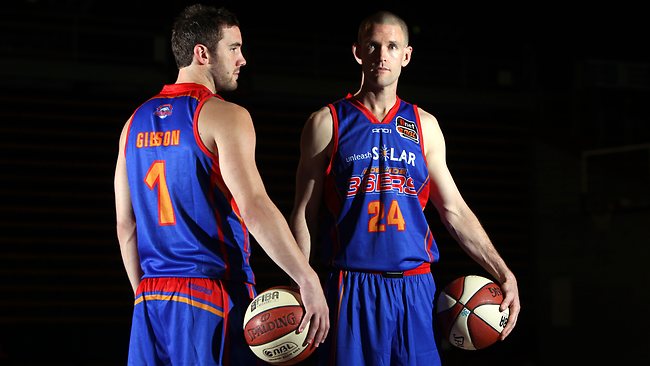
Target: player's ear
{"points": [[201, 54], [408, 50], [355, 52]]}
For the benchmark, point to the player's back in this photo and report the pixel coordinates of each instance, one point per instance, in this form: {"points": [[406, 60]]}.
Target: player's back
{"points": [[187, 222]]}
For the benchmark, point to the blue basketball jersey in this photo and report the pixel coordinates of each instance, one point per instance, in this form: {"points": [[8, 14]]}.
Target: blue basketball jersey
{"points": [[376, 189], [188, 224]]}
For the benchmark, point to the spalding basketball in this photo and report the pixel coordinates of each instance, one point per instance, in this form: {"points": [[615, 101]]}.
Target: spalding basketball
{"points": [[271, 327], [468, 312]]}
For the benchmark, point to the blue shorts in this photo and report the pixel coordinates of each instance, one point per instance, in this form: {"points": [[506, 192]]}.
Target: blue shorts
{"points": [[190, 321], [380, 319]]}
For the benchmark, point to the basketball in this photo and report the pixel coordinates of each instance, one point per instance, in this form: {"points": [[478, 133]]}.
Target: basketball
{"points": [[271, 327], [468, 312]]}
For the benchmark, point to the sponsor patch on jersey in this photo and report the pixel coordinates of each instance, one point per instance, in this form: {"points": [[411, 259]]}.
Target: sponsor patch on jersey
{"points": [[407, 129], [163, 111]]}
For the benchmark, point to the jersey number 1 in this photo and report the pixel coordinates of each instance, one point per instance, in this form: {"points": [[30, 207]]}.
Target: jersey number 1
{"points": [[156, 177]]}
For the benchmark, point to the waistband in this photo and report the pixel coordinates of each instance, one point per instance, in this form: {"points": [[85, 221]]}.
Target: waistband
{"points": [[421, 269]]}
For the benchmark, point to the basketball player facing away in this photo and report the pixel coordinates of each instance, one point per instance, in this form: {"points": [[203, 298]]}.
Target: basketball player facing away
{"points": [[375, 161], [187, 192]]}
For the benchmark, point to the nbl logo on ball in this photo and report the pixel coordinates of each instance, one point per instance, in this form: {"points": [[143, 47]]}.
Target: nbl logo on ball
{"points": [[281, 349]]}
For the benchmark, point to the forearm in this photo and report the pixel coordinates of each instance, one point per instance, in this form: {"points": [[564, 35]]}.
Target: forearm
{"points": [[301, 231], [127, 238], [466, 229], [271, 231]]}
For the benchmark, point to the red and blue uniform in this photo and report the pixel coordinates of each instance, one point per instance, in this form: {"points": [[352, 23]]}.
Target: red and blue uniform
{"points": [[377, 240], [193, 245]]}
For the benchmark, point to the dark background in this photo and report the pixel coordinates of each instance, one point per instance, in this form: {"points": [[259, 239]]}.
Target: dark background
{"points": [[544, 109]]}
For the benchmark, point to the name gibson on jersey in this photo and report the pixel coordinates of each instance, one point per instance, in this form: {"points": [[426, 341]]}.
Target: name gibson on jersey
{"points": [[158, 138]]}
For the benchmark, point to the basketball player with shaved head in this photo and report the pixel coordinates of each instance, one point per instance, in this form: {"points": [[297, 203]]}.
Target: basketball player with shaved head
{"points": [[370, 162]]}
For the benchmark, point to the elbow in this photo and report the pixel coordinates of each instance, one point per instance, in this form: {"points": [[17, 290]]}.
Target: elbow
{"points": [[253, 210]]}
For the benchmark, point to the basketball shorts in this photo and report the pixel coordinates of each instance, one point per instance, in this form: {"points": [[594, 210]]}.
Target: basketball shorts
{"points": [[380, 319], [190, 321]]}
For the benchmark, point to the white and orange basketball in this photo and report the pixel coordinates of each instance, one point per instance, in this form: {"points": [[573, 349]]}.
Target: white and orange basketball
{"points": [[468, 312], [271, 327]]}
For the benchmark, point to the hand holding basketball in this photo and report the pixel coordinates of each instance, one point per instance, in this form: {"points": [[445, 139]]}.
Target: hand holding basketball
{"points": [[271, 327], [468, 312]]}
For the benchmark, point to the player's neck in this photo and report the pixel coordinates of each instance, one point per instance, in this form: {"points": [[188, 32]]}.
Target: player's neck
{"points": [[379, 103], [192, 75]]}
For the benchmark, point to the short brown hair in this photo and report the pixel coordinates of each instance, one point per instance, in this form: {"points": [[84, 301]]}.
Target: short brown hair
{"points": [[198, 24]]}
